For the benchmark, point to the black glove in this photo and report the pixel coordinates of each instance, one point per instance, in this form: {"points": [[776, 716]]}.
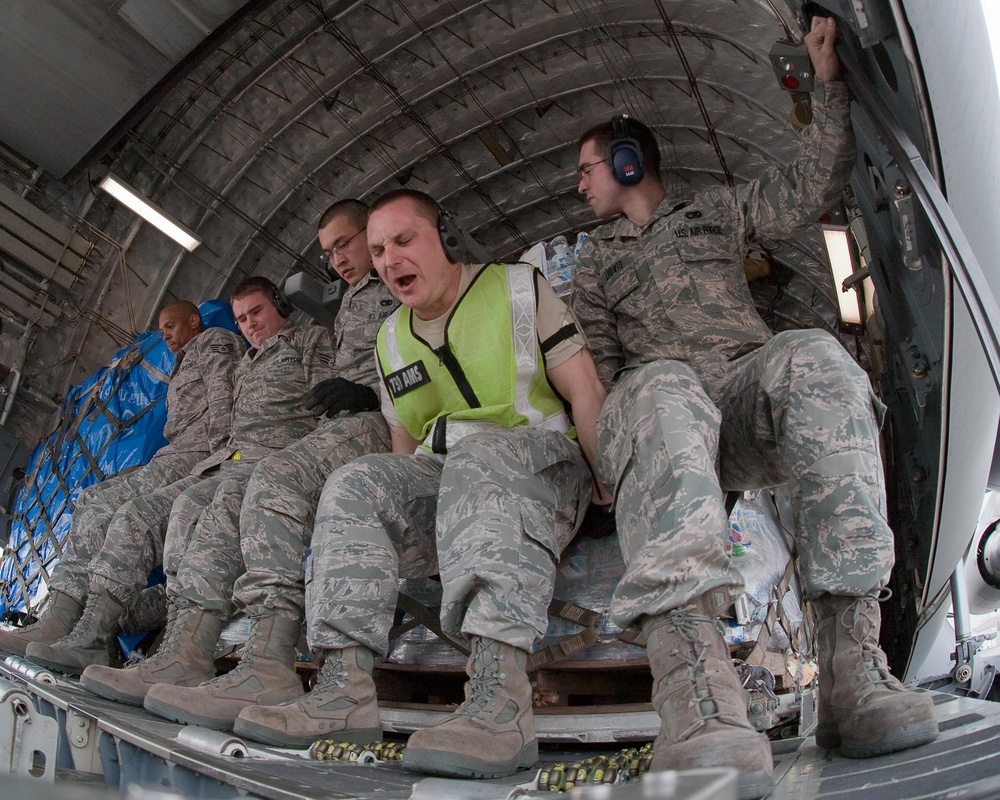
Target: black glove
{"points": [[598, 522], [334, 395]]}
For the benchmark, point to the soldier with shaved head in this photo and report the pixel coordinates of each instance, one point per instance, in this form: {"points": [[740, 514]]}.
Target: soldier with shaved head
{"points": [[199, 411]]}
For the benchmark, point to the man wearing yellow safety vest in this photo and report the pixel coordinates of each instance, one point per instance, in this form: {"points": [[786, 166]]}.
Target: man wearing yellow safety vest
{"points": [[492, 400]]}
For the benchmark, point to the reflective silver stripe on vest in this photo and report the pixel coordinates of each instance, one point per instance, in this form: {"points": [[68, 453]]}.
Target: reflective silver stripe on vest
{"points": [[520, 282], [392, 343]]}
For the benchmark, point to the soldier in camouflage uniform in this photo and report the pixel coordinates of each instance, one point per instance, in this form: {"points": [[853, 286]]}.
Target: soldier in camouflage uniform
{"points": [[704, 399], [269, 382], [199, 408], [276, 520], [486, 485]]}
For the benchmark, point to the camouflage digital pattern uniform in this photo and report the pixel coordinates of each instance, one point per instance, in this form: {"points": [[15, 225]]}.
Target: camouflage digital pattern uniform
{"points": [[266, 411], [705, 399], [504, 505], [199, 410], [492, 516], [202, 557], [276, 520]]}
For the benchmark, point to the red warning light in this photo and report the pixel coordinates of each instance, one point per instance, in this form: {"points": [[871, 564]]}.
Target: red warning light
{"points": [[790, 82]]}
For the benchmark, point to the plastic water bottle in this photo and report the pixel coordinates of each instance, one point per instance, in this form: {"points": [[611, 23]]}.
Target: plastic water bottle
{"points": [[560, 254], [560, 271], [581, 237]]}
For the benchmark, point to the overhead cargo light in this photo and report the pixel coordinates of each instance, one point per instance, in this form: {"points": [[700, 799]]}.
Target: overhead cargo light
{"points": [[840, 253], [150, 212]]}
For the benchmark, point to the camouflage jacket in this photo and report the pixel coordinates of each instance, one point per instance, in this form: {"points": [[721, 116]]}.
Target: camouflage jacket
{"points": [[675, 287], [362, 311], [270, 383], [200, 393]]}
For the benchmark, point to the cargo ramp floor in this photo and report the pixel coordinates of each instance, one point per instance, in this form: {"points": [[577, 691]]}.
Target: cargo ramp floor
{"points": [[59, 741]]}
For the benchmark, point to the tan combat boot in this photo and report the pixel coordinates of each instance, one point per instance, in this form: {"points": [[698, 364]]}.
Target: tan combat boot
{"points": [[185, 658], [342, 705], [58, 619], [492, 734], [701, 702], [863, 709], [265, 676], [87, 643]]}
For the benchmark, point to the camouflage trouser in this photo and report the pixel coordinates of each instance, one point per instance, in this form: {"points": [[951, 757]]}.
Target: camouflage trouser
{"points": [[276, 521], [799, 411], [503, 505], [95, 508], [133, 545], [201, 556]]}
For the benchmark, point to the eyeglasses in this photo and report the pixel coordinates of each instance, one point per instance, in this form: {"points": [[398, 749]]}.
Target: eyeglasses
{"points": [[586, 168], [329, 255]]}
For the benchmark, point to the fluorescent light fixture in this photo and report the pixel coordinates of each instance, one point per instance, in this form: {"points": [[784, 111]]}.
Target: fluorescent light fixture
{"points": [[129, 197], [838, 249]]}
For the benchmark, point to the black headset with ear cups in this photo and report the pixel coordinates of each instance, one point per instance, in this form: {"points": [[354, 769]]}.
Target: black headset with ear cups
{"points": [[452, 238], [624, 153], [282, 303]]}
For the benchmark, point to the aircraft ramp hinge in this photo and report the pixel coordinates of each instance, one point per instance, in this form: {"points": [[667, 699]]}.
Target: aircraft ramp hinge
{"points": [[83, 736], [964, 657], [28, 739]]}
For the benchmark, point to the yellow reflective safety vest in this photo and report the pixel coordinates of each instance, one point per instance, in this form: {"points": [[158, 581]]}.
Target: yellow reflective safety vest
{"points": [[489, 373]]}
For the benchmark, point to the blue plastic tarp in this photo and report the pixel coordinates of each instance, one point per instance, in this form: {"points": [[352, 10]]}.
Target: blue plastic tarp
{"points": [[110, 422]]}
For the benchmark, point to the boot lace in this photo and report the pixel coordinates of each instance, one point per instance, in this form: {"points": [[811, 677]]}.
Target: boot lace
{"points": [[171, 637], [684, 622], [487, 673], [333, 675], [83, 631], [858, 620], [246, 662]]}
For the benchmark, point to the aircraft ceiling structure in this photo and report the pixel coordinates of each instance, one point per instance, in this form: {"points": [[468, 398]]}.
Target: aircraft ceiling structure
{"points": [[292, 104]]}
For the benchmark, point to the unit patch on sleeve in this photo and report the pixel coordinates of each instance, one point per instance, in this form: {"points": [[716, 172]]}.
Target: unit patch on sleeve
{"points": [[404, 380]]}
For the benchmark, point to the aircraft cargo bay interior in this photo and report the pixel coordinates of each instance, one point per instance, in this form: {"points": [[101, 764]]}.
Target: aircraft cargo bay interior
{"points": [[623, 376]]}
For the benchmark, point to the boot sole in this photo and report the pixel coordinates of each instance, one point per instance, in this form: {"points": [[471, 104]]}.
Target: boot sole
{"points": [[185, 717], [110, 693], [895, 740], [63, 669], [457, 765], [754, 785], [264, 735]]}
